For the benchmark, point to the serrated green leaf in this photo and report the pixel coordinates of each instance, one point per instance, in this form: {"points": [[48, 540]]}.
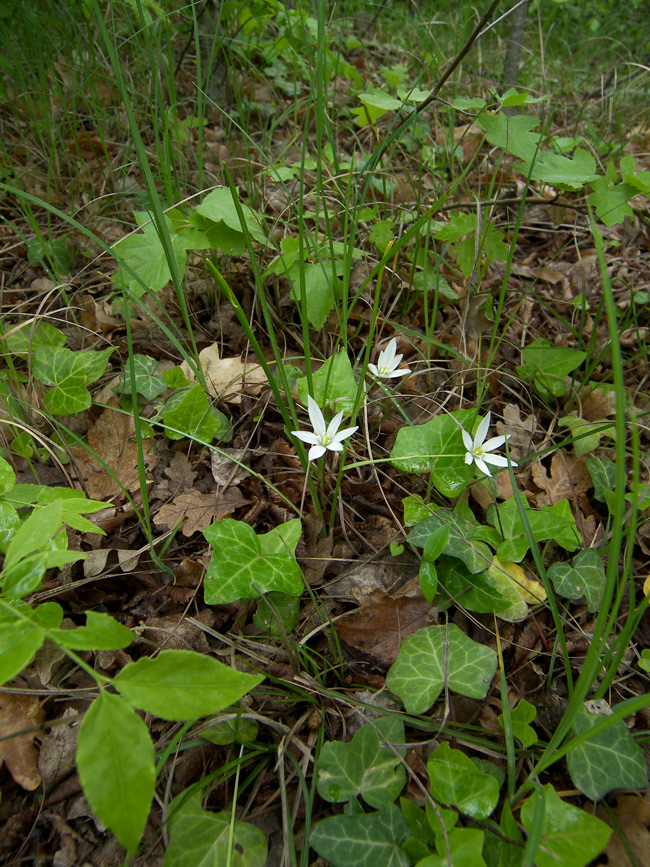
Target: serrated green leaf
{"points": [[147, 381], [19, 641], [69, 373], [241, 567], [567, 173], [201, 839], [366, 840], [436, 447], [437, 656], [144, 254], [514, 133], [182, 685], [333, 385], [609, 760], [190, 414], [457, 782], [102, 632], [27, 340], [115, 759], [366, 766], [570, 836], [584, 577], [548, 366]]}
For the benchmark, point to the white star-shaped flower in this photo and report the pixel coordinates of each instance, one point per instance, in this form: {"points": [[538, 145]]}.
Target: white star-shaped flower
{"points": [[477, 448], [387, 363], [323, 437]]}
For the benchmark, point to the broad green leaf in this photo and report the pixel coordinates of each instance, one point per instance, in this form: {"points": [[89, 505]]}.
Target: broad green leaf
{"points": [[549, 522], [366, 840], [34, 534], [520, 717], [609, 760], [115, 759], [513, 585], [9, 524], [231, 731], [242, 567], [436, 447], [190, 414], [7, 477], [220, 207], [567, 173], [27, 340], [277, 606], [584, 577], [415, 510], [75, 505], [428, 578], [465, 847], [457, 782], [513, 133], [19, 641], [423, 839], [144, 255], [69, 373], [201, 839], [472, 591], [644, 662], [548, 367], [611, 199], [334, 385], [182, 685], [205, 234], [321, 287], [570, 837], [511, 856], [366, 766], [147, 381], [603, 475], [437, 656], [102, 632], [48, 615], [475, 555]]}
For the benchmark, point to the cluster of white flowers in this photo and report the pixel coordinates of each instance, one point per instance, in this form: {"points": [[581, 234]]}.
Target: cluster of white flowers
{"points": [[330, 437]]}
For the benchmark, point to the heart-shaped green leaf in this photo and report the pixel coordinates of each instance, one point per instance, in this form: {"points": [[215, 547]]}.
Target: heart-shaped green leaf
{"points": [[69, 373], [457, 782], [584, 577], [365, 840]]}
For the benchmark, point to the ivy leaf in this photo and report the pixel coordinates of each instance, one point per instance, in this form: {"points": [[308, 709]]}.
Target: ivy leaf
{"points": [[365, 840], [144, 255], [69, 373], [366, 766], [548, 367], [603, 475], [102, 632], [334, 386], [436, 447], [587, 435], [465, 848], [116, 767], [549, 522], [609, 760], [475, 555], [473, 591], [570, 836], [182, 685], [147, 382], [520, 717], [201, 839], [585, 577], [514, 586], [245, 565], [27, 340], [437, 656], [190, 414], [457, 782]]}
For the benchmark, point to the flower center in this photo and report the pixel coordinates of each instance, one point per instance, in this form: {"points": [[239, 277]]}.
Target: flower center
{"points": [[325, 440]]}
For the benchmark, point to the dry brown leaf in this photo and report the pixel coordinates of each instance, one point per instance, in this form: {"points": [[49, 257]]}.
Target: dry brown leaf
{"points": [[597, 403], [632, 815], [180, 471], [199, 510], [382, 624], [568, 480], [227, 378], [224, 469], [519, 430], [110, 438], [56, 759], [18, 712]]}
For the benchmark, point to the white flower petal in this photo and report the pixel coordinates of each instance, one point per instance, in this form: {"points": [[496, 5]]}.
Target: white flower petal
{"points": [[373, 369], [468, 442], [469, 458], [344, 434], [397, 373], [316, 451], [306, 436], [497, 460], [315, 416], [333, 426], [482, 430], [480, 463], [492, 444]]}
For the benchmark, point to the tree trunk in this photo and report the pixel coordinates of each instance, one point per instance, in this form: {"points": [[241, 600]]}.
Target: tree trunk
{"points": [[515, 45]]}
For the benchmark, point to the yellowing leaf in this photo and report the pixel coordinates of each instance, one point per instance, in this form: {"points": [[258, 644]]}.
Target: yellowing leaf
{"points": [[517, 588]]}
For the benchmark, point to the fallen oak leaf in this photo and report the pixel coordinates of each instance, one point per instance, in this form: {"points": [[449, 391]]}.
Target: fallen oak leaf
{"points": [[569, 478], [227, 378], [199, 510]]}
